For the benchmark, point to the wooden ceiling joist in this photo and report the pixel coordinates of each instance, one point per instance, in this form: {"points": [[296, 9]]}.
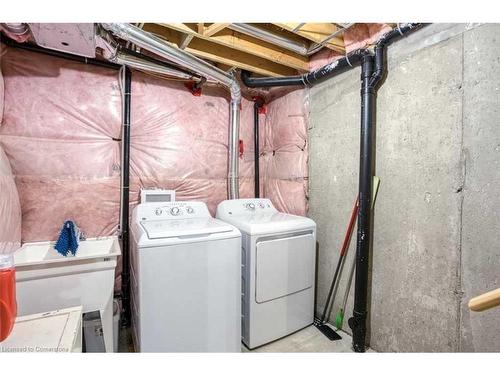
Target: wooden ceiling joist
{"points": [[317, 32], [185, 40], [217, 52], [244, 43], [214, 29], [230, 47]]}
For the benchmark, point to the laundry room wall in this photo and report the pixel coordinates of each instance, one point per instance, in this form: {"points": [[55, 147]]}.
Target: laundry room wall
{"points": [[61, 133], [436, 223]]}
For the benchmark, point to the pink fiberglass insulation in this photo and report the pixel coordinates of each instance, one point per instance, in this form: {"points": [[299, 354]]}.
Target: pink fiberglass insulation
{"points": [[2, 88], [357, 36], [61, 132], [62, 143], [10, 209], [363, 34], [285, 153], [180, 141]]}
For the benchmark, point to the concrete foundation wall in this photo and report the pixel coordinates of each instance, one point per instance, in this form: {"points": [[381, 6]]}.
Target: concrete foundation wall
{"points": [[437, 214]]}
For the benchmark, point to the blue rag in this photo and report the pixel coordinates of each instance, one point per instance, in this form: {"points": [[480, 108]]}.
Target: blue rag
{"points": [[67, 241]]}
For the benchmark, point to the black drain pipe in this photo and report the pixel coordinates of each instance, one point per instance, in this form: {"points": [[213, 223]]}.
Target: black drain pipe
{"points": [[373, 69], [309, 79], [258, 103], [358, 321], [125, 183]]}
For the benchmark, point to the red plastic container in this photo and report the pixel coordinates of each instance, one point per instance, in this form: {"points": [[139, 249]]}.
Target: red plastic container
{"points": [[8, 304]]}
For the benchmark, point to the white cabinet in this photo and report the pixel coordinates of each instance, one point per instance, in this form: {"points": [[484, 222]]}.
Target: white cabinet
{"points": [[57, 331]]}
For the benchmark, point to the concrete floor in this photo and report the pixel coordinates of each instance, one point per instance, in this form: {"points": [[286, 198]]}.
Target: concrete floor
{"points": [[307, 340]]}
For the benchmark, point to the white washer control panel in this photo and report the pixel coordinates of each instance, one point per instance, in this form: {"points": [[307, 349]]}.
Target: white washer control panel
{"points": [[172, 210]]}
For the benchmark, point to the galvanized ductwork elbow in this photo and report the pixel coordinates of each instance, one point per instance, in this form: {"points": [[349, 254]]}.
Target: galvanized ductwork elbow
{"points": [[119, 55], [20, 32], [162, 48]]}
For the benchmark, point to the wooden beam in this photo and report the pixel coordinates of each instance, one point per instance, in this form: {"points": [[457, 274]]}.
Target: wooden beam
{"points": [[201, 28], [222, 54], [248, 44], [239, 59], [297, 28], [317, 32], [214, 29], [185, 40], [187, 28]]}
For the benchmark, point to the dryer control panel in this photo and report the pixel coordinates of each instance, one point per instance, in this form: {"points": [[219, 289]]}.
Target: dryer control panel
{"points": [[245, 206], [172, 210]]}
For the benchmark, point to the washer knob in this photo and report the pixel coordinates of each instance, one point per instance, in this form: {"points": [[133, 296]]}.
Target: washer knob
{"points": [[175, 211], [158, 211], [251, 206], [261, 205], [189, 210]]}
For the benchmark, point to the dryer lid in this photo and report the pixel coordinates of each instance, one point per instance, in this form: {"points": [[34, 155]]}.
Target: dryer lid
{"points": [[156, 229]]}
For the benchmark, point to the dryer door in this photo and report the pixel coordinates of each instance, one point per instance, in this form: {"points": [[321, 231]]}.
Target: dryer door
{"points": [[284, 266]]}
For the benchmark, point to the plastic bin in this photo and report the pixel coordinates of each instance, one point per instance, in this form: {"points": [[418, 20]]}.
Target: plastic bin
{"points": [[47, 281]]}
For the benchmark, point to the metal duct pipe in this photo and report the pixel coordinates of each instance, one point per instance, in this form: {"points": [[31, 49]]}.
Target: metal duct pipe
{"points": [[115, 58], [117, 54], [234, 136], [270, 37], [20, 32], [283, 42], [131, 61], [162, 48]]}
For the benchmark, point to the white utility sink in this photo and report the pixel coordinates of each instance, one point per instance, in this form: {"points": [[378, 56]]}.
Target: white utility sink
{"points": [[47, 281]]}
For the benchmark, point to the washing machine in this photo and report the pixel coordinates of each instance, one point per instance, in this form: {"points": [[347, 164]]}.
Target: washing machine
{"points": [[185, 269], [278, 269]]}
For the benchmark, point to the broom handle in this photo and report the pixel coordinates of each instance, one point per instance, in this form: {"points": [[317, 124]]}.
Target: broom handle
{"points": [[345, 245], [349, 281], [485, 301]]}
